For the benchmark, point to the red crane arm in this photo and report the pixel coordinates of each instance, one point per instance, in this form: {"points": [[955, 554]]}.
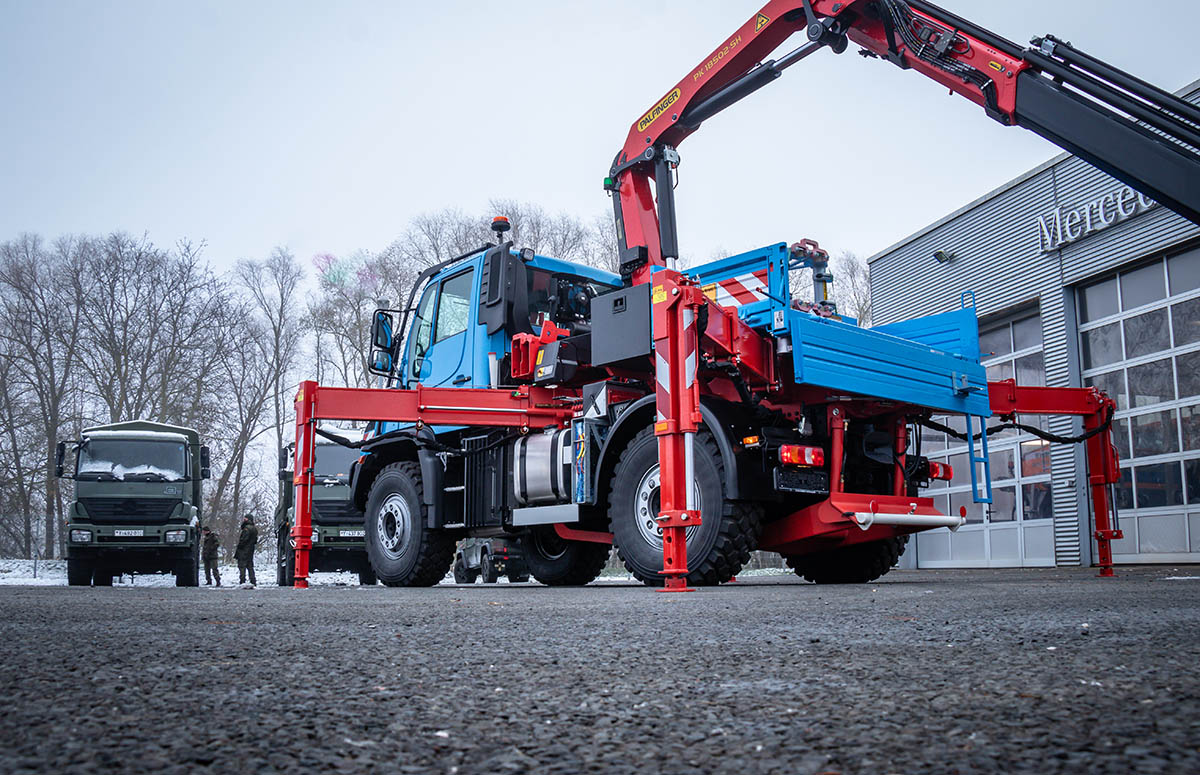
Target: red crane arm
{"points": [[1128, 128]]}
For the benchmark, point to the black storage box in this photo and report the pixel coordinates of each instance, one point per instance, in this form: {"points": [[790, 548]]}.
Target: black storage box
{"points": [[621, 328]]}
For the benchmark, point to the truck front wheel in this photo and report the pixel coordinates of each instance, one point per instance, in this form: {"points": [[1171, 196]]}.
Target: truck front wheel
{"points": [[717, 549], [556, 562], [856, 564], [403, 550], [187, 572], [79, 573]]}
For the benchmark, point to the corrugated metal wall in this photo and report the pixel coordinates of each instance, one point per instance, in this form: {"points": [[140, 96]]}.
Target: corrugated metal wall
{"points": [[997, 246]]}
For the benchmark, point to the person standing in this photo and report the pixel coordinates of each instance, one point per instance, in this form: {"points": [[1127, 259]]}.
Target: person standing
{"points": [[209, 548], [247, 541]]}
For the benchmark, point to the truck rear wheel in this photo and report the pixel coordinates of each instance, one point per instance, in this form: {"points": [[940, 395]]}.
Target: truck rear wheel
{"points": [[856, 564], [557, 562], [403, 550], [102, 576], [717, 549], [366, 577], [79, 573]]}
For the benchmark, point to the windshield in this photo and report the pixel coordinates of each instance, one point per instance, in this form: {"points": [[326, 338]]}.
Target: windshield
{"points": [[333, 461], [132, 460]]}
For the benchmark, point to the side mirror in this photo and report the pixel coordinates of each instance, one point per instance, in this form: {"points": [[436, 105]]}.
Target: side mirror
{"points": [[60, 453], [382, 343], [205, 468], [381, 330], [426, 369]]}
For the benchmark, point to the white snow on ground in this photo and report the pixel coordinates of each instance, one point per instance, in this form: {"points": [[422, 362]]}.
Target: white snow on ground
{"points": [[1182, 578], [54, 573]]}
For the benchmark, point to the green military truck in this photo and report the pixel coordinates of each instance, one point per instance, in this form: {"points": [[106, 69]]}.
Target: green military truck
{"points": [[137, 502], [338, 538]]}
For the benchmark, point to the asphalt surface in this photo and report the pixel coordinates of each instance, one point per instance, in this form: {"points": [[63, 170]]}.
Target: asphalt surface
{"points": [[949, 672]]}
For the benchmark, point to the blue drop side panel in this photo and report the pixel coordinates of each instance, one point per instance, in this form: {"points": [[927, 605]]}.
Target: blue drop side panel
{"points": [[870, 362]]}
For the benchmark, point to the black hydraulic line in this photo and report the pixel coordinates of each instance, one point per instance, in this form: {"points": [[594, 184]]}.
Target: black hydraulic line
{"points": [[1033, 430], [1155, 117], [974, 30], [1159, 168], [1134, 85]]}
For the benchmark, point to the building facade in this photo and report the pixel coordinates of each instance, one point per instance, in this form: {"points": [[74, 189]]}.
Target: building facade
{"points": [[1078, 280]]}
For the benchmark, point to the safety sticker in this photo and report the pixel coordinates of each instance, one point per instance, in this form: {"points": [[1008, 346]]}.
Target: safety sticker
{"points": [[538, 362], [760, 22], [659, 295], [710, 291]]}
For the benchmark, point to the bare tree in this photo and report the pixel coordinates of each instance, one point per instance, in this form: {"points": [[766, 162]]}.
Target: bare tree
{"points": [[273, 286], [41, 291], [852, 287]]}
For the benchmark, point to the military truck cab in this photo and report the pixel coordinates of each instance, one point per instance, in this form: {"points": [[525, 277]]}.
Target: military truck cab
{"points": [[338, 535], [137, 506]]}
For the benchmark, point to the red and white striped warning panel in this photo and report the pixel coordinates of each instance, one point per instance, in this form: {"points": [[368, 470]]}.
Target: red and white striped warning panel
{"points": [[736, 291]]}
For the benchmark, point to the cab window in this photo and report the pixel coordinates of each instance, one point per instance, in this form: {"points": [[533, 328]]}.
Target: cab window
{"points": [[454, 305], [423, 332]]}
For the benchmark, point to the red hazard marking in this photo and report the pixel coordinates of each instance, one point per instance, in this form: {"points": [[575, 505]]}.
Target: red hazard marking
{"points": [[739, 292]]}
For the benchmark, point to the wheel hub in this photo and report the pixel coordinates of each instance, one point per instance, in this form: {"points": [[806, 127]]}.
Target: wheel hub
{"points": [[394, 525], [647, 504]]}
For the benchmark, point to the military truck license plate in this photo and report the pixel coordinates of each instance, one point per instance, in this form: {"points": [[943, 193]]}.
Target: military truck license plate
{"points": [[127, 533], [352, 533]]}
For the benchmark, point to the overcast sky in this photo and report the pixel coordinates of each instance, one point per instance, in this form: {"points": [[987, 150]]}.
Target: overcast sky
{"points": [[326, 126]]}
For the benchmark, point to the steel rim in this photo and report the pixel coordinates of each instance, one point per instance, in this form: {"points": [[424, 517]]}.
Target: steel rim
{"points": [[647, 503], [394, 525]]}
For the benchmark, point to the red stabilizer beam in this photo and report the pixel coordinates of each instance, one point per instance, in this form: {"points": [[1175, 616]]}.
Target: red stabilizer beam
{"points": [[527, 408]]}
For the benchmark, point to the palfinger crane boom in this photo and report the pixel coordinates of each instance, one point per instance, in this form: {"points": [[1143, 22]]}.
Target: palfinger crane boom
{"points": [[1136, 132]]}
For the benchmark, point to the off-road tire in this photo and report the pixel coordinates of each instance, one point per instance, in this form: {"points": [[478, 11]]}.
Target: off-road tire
{"points": [[187, 573], [729, 530], [79, 573], [487, 570], [518, 578], [420, 557], [102, 577], [366, 577], [461, 574], [281, 552], [557, 562], [856, 564]]}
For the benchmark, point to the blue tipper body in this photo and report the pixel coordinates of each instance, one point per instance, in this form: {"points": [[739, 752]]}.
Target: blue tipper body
{"points": [[931, 361]]}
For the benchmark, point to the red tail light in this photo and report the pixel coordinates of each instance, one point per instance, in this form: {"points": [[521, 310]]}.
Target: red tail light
{"points": [[941, 471], [795, 455]]}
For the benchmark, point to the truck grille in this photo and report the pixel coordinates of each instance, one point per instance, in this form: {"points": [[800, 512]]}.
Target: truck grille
{"points": [[340, 512], [129, 510]]}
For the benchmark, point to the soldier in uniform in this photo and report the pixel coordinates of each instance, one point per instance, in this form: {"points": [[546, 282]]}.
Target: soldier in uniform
{"points": [[247, 540], [209, 548]]}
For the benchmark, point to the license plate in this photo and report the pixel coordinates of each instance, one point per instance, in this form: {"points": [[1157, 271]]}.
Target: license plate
{"points": [[352, 533], [128, 533]]}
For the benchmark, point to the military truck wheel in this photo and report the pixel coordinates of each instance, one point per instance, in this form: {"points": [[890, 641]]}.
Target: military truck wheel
{"points": [[556, 562], [717, 549], [856, 564], [487, 570], [187, 573], [403, 550], [79, 573], [461, 574], [102, 577], [366, 577], [518, 578]]}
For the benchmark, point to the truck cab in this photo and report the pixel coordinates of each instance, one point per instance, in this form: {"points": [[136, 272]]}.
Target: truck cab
{"points": [[338, 542], [462, 327], [138, 500]]}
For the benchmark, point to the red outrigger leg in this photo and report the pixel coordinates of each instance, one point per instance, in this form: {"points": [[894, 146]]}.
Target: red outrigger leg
{"points": [[675, 305], [1008, 399]]}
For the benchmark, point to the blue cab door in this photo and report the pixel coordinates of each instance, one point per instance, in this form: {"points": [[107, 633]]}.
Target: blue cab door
{"points": [[440, 353]]}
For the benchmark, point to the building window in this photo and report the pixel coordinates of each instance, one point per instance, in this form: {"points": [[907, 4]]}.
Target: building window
{"points": [[1139, 339], [1020, 461]]}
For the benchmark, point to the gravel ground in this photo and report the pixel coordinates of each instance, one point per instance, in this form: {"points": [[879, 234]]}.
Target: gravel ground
{"points": [[949, 672]]}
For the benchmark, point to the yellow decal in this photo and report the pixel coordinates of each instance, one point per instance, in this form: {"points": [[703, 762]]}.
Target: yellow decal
{"points": [[659, 296], [710, 291], [538, 362], [760, 22], [656, 111]]}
